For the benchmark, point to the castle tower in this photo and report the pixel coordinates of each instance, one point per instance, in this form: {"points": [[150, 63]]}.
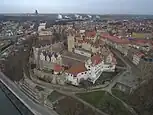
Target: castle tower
{"points": [[70, 41]]}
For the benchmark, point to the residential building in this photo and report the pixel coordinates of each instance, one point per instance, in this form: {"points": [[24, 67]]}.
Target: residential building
{"points": [[121, 45], [41, 26], [137, 57]]}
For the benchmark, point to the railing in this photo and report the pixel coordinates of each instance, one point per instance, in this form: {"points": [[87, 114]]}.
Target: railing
{"points": [[7, 83], [15, 101]]}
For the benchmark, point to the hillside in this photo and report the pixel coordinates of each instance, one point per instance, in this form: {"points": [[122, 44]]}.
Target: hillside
{"points": [[142, 99]]}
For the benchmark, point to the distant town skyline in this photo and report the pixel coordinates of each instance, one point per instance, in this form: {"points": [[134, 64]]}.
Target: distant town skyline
{"points": [[78, 6]]}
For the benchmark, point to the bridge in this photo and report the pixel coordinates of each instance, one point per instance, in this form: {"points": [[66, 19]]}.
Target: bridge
{"points": [[35, 108]]}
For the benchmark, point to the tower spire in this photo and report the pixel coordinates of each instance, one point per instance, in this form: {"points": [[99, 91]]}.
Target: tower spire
{"points": [[36, 12]]}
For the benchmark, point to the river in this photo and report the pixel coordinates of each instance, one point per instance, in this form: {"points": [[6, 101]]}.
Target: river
{"points": [[6, 107]]}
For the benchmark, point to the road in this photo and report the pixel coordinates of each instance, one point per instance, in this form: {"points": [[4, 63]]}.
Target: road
{"points": [[130, 66], [118, 54], [114, 81], [35, 108]]}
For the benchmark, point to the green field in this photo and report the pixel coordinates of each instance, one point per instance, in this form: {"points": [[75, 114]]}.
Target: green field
{"points": [[123, 96], [54, 96], [105, 102]]}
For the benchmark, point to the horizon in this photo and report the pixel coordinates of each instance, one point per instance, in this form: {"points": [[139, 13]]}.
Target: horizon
{"points": [[73, 13]]}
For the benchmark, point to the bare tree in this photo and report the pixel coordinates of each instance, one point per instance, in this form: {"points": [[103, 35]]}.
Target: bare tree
{"points": [[146, 71]]}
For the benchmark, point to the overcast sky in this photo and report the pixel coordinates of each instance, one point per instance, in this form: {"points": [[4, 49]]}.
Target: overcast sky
{"points": [[78, 6]]}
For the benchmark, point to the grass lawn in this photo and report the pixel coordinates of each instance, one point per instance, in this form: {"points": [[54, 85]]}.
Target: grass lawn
{"points": [[54, 96], [123, 96], [70, 106], [105, 102]]}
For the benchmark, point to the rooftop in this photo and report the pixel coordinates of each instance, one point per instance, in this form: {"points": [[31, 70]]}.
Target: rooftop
{"points": [[115, 39], [96, 59], [140, 41], [75, 69], [58, 68], [90, 34]]}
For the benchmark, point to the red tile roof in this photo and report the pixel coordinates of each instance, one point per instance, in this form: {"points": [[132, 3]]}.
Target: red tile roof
{"points": [[140, 42], [58, 68], [115, 39], [96, 59], [77, 69], [114, 60], [91, 34], [84, 41], [140, 54]]}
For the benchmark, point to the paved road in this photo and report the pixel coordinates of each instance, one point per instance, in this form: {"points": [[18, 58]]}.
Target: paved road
{"points": [[118, 54], [128, 63], [35, 108], [114, 81]]}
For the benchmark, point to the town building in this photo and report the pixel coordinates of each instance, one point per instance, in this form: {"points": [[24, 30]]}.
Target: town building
{"points": [[45, 35], [70, 43], [41, 26], [137, 57], [121, 45]]}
